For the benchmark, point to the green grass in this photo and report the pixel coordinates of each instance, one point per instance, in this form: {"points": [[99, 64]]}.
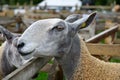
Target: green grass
{"points": [[115, 60], [42, 76], [51, 62], [118, 34]]}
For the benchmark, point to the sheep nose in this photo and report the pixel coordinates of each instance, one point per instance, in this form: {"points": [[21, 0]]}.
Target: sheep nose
{"points": [[20, 46]]}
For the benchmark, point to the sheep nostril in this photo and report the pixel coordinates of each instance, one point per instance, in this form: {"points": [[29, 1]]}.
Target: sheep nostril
{"points": [[20, 45]]}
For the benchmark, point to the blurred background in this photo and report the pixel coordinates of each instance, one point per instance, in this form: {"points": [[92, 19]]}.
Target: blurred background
{"points": [[17, 15]]}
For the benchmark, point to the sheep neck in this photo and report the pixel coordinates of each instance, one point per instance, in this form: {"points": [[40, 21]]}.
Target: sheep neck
{"points": [[70, 60], [6, 66]]}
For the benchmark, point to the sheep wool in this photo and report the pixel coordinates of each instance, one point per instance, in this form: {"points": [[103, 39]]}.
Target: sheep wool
{"points": [[1, 52], [91, 68]]}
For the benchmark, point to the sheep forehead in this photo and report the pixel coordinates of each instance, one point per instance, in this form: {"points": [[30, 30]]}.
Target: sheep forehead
{"points": [[40, 27], [45, 24]]}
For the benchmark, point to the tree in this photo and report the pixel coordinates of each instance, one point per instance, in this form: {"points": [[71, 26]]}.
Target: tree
{"points": [[117, 1], [21, 2]]}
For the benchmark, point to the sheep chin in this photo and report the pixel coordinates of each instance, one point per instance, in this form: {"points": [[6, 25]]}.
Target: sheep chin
{"points": [[28, 57]]}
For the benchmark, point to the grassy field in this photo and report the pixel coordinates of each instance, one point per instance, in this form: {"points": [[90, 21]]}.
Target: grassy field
{"points": [[42, 76]]}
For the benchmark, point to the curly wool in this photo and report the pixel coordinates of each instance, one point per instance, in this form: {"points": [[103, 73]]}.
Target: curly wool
{"points": [[91, 68]]}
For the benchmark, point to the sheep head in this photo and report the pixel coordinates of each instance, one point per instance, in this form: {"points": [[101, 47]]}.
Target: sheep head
{"points": [[10, 51], [51, 37]]}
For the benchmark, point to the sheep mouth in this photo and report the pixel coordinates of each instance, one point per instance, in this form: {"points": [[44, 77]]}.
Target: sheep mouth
{"points": [[28, 53]]}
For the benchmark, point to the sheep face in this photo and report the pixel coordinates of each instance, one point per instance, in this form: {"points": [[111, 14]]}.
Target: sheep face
{"points": [[10, 52], [13, 55], [50, 37], [46, 33]]}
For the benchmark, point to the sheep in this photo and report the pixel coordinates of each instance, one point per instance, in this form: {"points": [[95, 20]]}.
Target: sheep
{"points": [[55, 37], [116, 8], [59, 38], [91, 68], [10, 59]]}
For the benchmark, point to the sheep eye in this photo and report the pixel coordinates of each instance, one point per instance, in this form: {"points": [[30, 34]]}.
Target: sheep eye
{"points": [[59, 28]]}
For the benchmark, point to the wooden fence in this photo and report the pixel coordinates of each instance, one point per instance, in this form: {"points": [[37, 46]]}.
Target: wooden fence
{"points": [[29, 70], [105, 49], [97, 7]]}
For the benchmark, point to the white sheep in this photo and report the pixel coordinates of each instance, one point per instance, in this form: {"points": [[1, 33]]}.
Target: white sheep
{"points": [[55, 37], [59, 38], [10, 59]]}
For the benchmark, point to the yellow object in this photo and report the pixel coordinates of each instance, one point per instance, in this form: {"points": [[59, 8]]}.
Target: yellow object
{"points": [[83, 25]]}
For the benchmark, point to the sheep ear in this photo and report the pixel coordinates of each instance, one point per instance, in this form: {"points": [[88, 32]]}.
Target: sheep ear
{"points": [[72, 18], [7, 34], [84, 22]]}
